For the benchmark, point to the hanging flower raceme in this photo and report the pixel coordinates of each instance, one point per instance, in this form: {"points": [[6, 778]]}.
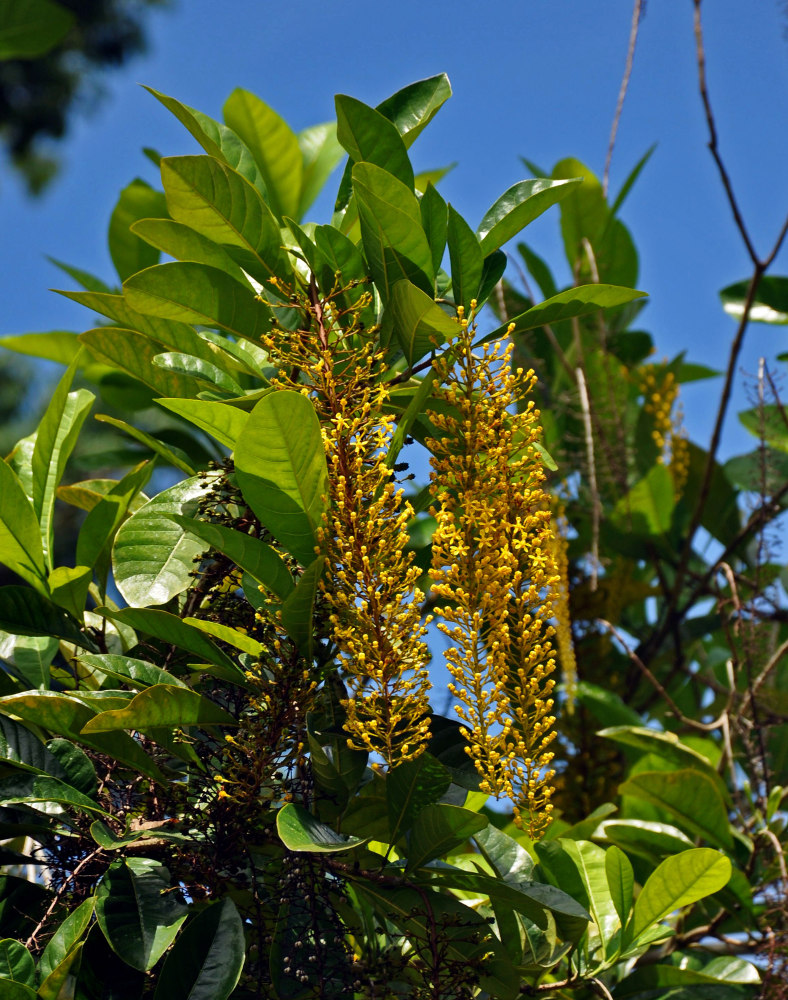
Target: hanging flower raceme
{"points": [[370, 585], [493, 566], [660, 400]]}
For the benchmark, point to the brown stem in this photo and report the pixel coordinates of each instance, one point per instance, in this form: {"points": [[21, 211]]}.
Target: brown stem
{"points": [[637, 12]]}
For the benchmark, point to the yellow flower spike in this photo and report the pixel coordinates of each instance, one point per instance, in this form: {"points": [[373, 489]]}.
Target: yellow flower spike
{"points": [[494, 563]]}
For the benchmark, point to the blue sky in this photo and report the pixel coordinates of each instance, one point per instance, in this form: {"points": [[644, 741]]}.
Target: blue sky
{"points": [[537, 78]]}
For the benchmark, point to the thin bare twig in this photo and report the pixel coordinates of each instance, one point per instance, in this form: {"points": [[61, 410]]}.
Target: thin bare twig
{"points": [[637, 12]]}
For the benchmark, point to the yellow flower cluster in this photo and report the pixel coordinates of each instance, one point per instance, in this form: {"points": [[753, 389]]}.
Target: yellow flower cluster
{"points": [[493, 566], [660, 393], [563, 620], [370, 584]]}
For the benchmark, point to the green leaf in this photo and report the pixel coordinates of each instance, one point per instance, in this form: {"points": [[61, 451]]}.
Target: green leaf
{"points": [[467, 260], [413, 411], [684, 982], [135, 673], [220, 420], [66, 716], [677, 882], [647, 509], [770, 303], [21, 546], [666, 745], [589, 860], [249, 553], [321, 153], [298, 608], [438, 830], [508, 858], [370, 137], [66, 937], [20, 747], [183, 243], [420, 324], [55, 440], [196, 293], [170, 456], [492, 272], [159, 706], [212, 375], [30, 28], [129, 253], [689, 795], [395, 245], [413, 107], [153, 558], [606, 706], [517, 207], [274, 146], [61, 346], [216, 139], [435, 223], [646, 838], [219, 203], [25, 612], [134, 353], [68, 586], [410, 787], [29, 657], [281, 469], [171, 629], [571, 303], [207, 959], [300, 831], [41, 789], [75, 766], [16, 962], [137, 914], [226, 633], [620, 880]]}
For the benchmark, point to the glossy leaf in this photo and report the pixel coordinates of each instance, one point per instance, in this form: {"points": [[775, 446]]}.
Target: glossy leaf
{"points": [[620, 880], [183, 243], [493, 268], [196, 293], [395, 245], [413, 107], [435, 223], [29, 657], [420, 324], [770, 303], [300, 831], [519, 206], [25, 612], [171, 629], [21, 546], [370, 137], [16, 962], [68, 587], [134, 353], [66, 716], [274, 146], [249, 553], [207, 959], [136, 673], [645, 838], [55, 440], [215, 138], [130, 253], [410, 787], [212, 375], [680, 981], [438, 830], [678, 881], [571, 303], [170, 455], [467, 260], [30, 28], [297, 610], [66, 937], [508, 858], [692, 797], [321, 153], [647, 509], [219, 203], [41, 789], [61, 346], [136, 913], [281, 469], [220, 420], [153, 558], [159, 706]]}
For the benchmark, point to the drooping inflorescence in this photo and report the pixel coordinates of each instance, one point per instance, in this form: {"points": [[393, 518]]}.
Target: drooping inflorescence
{"points": [[494, 569]]}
